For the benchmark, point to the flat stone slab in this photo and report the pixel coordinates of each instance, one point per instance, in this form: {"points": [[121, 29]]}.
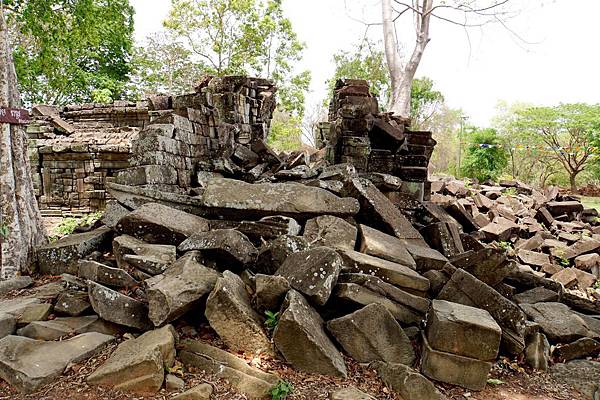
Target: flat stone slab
{"points": [[558, 322], [248, 380], [63, 255], [16, 283], [330, 231], [372, 334], [232, 197], [378, 244], [152, 259], [407, 382], [160, 224], [229, 247], [60, 327], [456, 370], [301, 338], [29, 364], [396, 274], [105, 275], [463, 330], [137, 365], [583, 375]]}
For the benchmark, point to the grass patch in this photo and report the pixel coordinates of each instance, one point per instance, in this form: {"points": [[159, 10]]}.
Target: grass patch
{"points": [[591, 202]]}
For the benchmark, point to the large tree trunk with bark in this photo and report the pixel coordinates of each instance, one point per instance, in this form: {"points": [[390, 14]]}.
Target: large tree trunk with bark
{"points": [[402, 75], [573, 182], [19, 211]]}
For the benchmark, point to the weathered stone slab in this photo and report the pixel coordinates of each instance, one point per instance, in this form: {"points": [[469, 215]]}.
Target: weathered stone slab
{"points": [[29, 364], [425, 257], [199, 392], [236, 198], [406, 381], [105, 275], [8, 325], [536, 295], [301, 338], [330, 231], [377, 285], [378, 211], [372, 334], [16, 283], [456, 370], [580, 348], [390, 272], [583, 246], [533, 258], [557, 208], [63, 255], [350, 393], [378, 244], [489, 265], [272, 255], [463, 330], [60, 327], [270, 291], [156, 223], [248, 380], [583, 375], [558, 322], [118, 308], [137, 365], [72, 303], [465, 289], [537, 351], [359, 295], [313, 272], [230, 314], [152, 259], [34, 312], [179, 289], [230, 248]]}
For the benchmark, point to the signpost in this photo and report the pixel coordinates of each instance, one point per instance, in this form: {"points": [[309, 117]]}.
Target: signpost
{"points": [[15, 116]]}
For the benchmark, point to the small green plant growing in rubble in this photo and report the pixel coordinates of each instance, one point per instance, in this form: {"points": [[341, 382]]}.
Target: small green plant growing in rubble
{"points": [[281, 390], [511, 191], [505, 245], [597, 284], [272, 320], [68, 225], [563, 261]]}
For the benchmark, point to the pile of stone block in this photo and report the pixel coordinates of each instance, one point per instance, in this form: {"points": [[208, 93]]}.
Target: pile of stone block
{"points": [[346, 262], [357, 133]]}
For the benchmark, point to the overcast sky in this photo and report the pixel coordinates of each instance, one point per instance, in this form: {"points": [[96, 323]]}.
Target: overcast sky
{"points": [[562, 63]]}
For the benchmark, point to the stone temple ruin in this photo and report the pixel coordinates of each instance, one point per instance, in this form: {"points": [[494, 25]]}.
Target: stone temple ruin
{"points": [[207, 229]]}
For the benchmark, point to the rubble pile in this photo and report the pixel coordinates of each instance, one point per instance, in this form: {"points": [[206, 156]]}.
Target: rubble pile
{"points": [[312, 263]]}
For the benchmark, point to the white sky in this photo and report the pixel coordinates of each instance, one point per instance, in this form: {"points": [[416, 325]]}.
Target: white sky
{"points": [[563, 64]]}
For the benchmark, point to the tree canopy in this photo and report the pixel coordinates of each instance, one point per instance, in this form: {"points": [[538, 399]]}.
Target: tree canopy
{"points": [[485, 157], [67, 49]]}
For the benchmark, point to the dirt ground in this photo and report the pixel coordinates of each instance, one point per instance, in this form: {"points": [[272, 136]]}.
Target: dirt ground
{"points": [[516, 384]]}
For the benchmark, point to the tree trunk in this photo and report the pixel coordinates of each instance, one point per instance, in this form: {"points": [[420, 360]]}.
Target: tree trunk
{"points": [[402, 76], [18, 207], [572, 181]]}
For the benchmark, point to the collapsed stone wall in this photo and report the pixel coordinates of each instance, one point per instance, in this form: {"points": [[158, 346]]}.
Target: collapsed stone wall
{"points": [[220, 128], [75, 150], [357, 133]]}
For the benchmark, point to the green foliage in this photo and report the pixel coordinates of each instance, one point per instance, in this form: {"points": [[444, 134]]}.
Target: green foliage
{"points": [[272, 320], [511, 191], [282, 390], [568, 131], [563, 261], [68, 225], [4, 231], [67, 49], [505, 245], [484, 163], [424, 101], [285, 133], [495, 382], [103, 96], [164, 65], [242, 37], [366, 62]]}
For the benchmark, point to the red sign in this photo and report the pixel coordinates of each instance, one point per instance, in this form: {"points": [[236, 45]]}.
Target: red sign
{"points": [[16, 116]]}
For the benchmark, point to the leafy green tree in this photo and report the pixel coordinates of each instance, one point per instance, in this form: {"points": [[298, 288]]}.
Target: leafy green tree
{"points": [[67, 49], [286, 131], [366, 62], [424, 102], [487, 162], [163, 64], [569, 132]]}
